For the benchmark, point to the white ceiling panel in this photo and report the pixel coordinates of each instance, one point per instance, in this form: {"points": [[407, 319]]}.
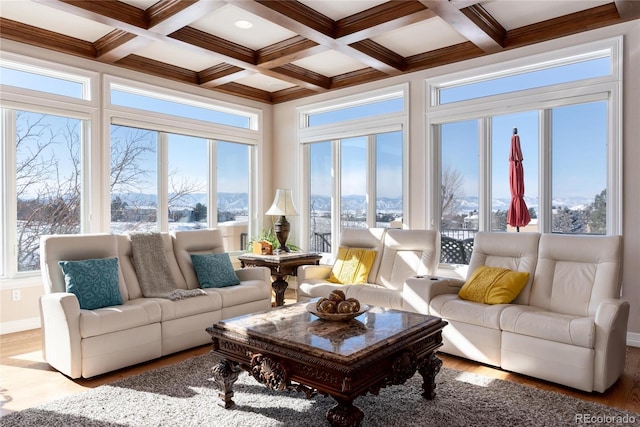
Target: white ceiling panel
{"points": [[338, 9], [330, 63], [140, 4], [515, 14], [48, 18], [262, 82], [221, 23], [420, 37], [170, 54]]}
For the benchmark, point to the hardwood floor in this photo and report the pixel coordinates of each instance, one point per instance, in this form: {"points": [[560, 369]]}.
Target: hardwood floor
{"points": [[26, 380]]}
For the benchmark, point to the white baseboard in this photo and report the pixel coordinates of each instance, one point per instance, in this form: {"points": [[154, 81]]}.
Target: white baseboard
{"points": [[19, 325], [633, 339]]}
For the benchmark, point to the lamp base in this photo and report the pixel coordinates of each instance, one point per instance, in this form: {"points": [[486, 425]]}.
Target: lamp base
{"points": [[281, 228]]}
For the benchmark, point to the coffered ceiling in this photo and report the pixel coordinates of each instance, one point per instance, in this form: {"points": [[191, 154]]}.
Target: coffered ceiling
{"points": [[294, 49]]}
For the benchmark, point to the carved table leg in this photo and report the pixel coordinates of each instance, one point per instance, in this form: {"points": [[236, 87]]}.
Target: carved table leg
{"points": [[344, 414], [225, 374], [279, 287], [429, 368]]}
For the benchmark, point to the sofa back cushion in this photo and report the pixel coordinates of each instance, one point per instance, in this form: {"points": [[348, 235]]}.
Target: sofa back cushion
{"points": [[515, 251], [407, 253], [75, 247], [125, 258], [575, 273], [198, 242]]}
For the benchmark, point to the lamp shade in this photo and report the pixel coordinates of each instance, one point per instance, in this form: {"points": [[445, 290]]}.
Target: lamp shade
{"points": [[282, 204]]}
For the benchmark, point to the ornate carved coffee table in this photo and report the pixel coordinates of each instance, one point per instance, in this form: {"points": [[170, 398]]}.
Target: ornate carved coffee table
{"points": [[288, 348]]}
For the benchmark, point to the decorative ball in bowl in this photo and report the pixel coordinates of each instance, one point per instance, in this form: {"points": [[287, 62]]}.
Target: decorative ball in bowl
{"points": [[337, 307], [336, 317]]}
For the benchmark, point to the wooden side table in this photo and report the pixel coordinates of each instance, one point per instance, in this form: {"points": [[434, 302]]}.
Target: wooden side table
{"points": [[281, 266]]}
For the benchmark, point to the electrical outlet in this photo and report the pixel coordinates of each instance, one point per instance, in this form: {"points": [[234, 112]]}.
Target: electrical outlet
{"points": [[15, 295]]}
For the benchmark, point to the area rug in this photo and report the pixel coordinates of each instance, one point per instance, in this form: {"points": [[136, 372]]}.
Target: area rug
{"points": [[184, 395]]}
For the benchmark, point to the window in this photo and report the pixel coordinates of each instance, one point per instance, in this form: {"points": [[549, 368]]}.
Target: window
{"points": [[570, 150], [46, 159], [180, 162], [137, 174], [125, 96], [355, 170]]}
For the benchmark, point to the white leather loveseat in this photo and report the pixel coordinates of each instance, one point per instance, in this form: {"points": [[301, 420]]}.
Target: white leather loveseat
{"points": [[86, 343], [568, 325], [400, 254]]}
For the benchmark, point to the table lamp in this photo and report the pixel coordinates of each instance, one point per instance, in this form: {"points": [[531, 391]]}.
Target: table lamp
{"points": [[282, 205]]}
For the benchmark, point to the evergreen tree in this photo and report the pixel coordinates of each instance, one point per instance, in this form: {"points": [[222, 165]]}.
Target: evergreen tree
{"points": [[597, 219]]}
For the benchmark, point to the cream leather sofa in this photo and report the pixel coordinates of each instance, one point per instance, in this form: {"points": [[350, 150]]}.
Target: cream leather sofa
{"points": [[86, 343], [568, 325], [400, 254]]}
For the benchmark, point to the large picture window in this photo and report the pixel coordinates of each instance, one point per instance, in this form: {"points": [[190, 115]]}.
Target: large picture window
{"points": [[354, 172], [570, 151]]}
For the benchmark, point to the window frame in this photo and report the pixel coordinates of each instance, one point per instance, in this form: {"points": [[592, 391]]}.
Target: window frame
{"points": [[607, 88], [333, 133], [166, 123]]}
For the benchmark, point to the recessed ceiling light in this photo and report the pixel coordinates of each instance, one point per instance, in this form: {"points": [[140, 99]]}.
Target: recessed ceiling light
{"points": [[245, 25]]}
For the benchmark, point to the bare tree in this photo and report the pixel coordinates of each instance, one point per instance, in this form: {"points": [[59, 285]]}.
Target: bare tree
{"points": [[48, 193], [451, 192], [49, 176]]}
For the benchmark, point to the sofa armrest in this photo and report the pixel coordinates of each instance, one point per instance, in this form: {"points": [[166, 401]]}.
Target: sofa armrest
{"points": [[418, 291], [611, 320], [254, 273], [314, 272], [60, 318]]}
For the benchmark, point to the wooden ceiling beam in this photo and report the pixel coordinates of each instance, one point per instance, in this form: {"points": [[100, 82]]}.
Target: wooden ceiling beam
{"points": [[168, 16], [562, 26], [628, 9], [474, 23], [381, 19], [117, 45], [312, 25], [23, 33], [287, 51], [160, 69], [221, 74]]}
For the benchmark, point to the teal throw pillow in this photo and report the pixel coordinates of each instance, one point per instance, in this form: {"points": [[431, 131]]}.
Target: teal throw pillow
{"points": [[214, 270], [93, 281]]}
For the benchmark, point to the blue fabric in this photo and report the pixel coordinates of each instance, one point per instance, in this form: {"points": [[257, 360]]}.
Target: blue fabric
{"points": [[93, 281], [214, 270]]}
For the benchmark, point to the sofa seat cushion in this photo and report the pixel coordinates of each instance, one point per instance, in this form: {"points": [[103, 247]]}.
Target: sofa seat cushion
{"points": [[132, 314], [314, 288], [539, 323], [376, 295], [206, 303], [246, 292], [451, 306]]}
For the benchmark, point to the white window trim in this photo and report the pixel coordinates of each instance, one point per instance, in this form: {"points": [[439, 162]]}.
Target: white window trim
{"points": [[334, 132], [88, 79], [607, 88], [144, 89]]}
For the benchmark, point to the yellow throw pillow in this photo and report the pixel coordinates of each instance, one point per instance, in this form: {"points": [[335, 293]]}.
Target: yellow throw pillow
{"points": [[352, 266], [494, 285]]}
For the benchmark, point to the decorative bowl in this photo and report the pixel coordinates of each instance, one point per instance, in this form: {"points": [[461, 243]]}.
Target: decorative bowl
{"points": [[336, 317]]}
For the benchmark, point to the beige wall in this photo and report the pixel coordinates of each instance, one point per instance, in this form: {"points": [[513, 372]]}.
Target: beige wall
{"points": [[285, 137]]}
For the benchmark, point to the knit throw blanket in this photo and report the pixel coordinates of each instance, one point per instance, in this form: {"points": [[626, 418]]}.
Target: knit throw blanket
{"points": [[153, 271]]}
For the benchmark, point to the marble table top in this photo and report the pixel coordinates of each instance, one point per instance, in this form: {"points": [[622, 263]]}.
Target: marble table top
{"points": [[294, 327]]}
